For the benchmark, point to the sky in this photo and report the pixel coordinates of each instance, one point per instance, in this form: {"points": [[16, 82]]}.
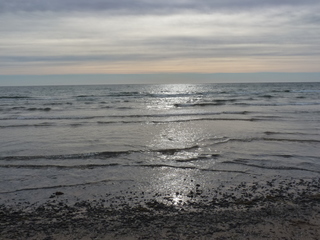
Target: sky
{"points": [[111, 41]]}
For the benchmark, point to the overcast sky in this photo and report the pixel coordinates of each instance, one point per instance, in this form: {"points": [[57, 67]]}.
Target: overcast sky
{"points": [[39, 37]]}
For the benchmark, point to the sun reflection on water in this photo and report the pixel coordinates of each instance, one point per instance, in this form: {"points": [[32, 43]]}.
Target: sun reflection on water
{"points": [[168, 96], [176, 144], [175, 136]]}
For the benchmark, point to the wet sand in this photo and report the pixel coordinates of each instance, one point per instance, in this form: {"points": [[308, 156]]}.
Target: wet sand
{"points": [[287, 209]]}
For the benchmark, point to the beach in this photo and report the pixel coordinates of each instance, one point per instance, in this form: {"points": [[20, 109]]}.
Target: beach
{"points": [[285, 210]]}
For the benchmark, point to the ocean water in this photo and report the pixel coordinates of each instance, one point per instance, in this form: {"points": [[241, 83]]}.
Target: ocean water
{"points": [[101, 141]]}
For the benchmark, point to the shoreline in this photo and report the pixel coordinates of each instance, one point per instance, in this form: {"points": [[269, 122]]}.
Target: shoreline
{"points": [[290, 210]]}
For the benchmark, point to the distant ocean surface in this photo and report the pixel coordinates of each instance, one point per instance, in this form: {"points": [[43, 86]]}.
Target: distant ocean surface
{"points": [[94, 141]]}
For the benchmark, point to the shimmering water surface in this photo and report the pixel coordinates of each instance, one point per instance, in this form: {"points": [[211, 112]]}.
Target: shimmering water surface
{"points": [[93, 141]]}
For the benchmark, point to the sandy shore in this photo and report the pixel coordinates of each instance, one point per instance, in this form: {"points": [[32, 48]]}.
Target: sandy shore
{"points": [[290, 210]]}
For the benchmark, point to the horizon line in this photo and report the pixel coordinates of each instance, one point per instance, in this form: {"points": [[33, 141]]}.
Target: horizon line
{"points": [[155, 78]]}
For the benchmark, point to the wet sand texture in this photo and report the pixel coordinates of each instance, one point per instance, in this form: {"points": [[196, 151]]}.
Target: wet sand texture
{"points": [[290, 210]]}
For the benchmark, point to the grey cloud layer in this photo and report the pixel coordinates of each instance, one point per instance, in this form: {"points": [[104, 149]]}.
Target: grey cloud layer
{"points": [[81, 31], [146, 6]]}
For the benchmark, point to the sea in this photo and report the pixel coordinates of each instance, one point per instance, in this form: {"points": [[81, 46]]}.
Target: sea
{"points": [[116, 142]]}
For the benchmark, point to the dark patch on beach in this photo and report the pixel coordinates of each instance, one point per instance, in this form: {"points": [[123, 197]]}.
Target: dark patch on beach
{"points": [[56, 194]]}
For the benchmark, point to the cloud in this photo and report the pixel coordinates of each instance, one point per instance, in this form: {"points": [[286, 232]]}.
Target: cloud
{"points": [[160, 35], [146, 6]]}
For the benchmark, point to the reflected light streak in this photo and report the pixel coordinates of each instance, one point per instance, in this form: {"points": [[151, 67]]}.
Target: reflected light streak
{"points": [[171, 139]]}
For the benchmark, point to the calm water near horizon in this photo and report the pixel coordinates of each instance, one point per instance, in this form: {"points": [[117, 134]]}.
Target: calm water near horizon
{"points": [[95, 141]]}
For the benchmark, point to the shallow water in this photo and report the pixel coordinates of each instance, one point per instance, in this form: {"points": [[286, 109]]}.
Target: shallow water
{"points": [[93, 141]]}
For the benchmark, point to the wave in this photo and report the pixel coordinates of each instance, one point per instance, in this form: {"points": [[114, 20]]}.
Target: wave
{"points": [[266, 96], [136, 94], [216, 102], [281, 91], [249, 102], [115, 94], [201, 158], [287, 156], [305, 103], [91, 166], [245, 163], [39, 109], [306, 91], [57, 103], [165, 166], [209, 119], [107, 154], [100, 155], [126, 94], [29, 125], [291, 140], [275, 140], [198, 104], [223, 140], [121, 116], [46, 109], [137, 121], [14, 97], [66, 185], [288, 133], [191, 168], [120, 122], [84, 96], [76, 124], [40, 166], [51, 117], [279, 104], [123, 122], [124, 108], [172, 151], [179, 114]]}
